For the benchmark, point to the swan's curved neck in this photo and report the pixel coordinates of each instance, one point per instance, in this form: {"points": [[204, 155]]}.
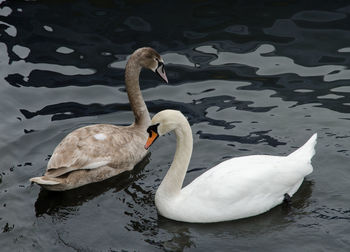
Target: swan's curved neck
{"points": [[138, 106], [173, 180]]}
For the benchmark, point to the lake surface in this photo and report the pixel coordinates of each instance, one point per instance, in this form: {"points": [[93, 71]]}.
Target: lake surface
{"points": [[252, 78]]}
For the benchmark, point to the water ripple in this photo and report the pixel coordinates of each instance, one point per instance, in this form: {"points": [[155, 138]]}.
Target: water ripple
{"points": [[25, 68], [276, 65], [249, 81]]}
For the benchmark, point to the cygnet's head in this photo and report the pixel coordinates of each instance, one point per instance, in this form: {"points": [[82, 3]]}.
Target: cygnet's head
{"points": [[164, 122], [148, 58]]}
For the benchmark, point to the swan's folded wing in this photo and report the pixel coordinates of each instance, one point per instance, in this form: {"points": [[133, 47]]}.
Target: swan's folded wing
{"points": [[89, 148], [245, 177]]}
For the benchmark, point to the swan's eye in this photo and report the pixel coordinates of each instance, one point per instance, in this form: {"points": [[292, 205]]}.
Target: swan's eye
{"points": [[160, 62], [160, 65]]}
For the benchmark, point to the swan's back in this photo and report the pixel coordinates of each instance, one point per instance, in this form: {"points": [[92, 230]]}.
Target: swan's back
{"points": [[88, 146]]}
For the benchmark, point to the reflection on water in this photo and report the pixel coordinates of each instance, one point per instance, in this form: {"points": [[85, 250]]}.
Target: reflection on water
{"points": [[179, 235], [51, 203], [332, 213], [24, 68], [252, 138], [249, 81], [276, 65]]}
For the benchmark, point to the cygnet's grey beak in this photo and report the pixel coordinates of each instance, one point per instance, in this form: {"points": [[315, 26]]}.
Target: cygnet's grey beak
{"points": [[161, 72]]}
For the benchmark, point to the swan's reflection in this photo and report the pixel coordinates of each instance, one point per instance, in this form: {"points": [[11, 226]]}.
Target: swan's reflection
{"points": [[276, 218], [171, 235], [49, 202]]}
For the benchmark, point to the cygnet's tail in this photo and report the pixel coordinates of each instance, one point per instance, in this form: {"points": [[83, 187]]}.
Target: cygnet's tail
{"points": [[44, 181], [307, 151]]}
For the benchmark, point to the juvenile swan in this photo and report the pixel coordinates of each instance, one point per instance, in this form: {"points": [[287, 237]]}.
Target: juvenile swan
{"points": [[97, 152], [236, 188]]}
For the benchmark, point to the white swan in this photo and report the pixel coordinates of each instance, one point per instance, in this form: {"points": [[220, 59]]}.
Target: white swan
{"points": [[236, 188], [97, 152]]}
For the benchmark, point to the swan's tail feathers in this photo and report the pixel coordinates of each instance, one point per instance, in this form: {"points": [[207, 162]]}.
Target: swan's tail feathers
{"points": [[45, 181], [307, 151]]}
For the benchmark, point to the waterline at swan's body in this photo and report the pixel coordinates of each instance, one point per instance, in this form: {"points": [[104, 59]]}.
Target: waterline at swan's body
{"points": [[236, 188], [96, 152]]}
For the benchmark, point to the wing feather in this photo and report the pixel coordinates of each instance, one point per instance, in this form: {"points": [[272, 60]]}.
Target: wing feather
{"points": [[85, 148]]}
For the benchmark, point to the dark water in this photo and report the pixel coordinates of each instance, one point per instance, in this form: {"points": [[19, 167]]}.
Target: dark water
{"points": [[253, 78]]}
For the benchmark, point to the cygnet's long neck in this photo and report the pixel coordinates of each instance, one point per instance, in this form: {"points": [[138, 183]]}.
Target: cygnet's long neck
{"points": [[138, 106], [173, 180]]}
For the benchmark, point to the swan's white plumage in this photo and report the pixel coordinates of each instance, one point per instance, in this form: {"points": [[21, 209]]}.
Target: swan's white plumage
{"points": [[100, 136], [236, 188]]}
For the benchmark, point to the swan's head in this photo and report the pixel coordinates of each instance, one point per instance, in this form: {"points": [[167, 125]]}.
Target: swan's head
{"points": [[164, 122], [150, 59]]}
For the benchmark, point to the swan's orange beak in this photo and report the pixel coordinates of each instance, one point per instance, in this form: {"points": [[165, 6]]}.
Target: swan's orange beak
{"points": [[152, 137]]}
